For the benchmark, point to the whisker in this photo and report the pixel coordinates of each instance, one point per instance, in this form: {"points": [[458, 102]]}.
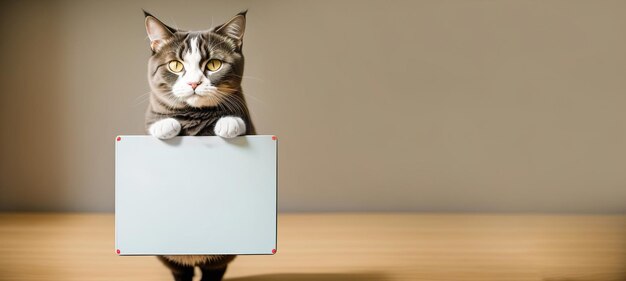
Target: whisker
{"points": [[255, 98], [144, 94], [249, 77]]}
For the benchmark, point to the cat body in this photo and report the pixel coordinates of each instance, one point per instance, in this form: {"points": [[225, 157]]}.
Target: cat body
{"points": [[195, 81], [196, 122]]}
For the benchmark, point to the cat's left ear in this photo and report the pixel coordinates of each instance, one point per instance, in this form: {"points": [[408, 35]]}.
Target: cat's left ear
{"points": [[157, 31], [234, 28]]}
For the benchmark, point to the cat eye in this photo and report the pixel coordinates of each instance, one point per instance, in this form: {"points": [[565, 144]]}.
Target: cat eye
{"points": [[214, 65], [175, 66]]}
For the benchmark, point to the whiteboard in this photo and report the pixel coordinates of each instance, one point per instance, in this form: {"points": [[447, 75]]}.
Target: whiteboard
{"points": [[195, 195]]}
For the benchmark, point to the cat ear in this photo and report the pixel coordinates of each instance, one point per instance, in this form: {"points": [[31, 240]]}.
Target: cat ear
{"points": [[157, 31], [234, 28]]}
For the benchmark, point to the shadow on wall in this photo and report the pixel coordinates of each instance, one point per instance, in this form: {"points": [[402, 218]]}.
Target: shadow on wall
{"points": [[362, 276], [33, 108]]}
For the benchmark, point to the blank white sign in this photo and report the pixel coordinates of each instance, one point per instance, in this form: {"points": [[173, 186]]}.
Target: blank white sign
{"points": [[195, 195]]}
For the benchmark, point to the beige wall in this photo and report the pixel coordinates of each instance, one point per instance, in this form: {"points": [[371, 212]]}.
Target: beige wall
{"points": [[379, 105]]}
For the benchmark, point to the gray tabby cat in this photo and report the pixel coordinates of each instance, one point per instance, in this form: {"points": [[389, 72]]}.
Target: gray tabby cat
{"points": [[195, 82]]}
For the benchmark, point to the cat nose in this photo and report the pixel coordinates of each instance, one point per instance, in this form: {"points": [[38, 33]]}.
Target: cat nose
{"points": [[194, 85]]}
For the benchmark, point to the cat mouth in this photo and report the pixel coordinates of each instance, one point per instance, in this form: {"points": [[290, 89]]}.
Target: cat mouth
{"points": [[202, 100], [205, 92]]}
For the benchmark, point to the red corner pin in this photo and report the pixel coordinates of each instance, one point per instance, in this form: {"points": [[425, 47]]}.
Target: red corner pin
{"points": [[274, 138], [119, 138], [118, 251], [273, 251]]}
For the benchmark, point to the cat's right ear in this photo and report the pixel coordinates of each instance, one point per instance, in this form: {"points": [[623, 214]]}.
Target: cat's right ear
{"points": [[157, 31]]}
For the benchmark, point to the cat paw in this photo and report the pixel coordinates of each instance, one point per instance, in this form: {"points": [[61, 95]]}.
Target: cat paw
{"points": [[165, 129], [230, 127]]}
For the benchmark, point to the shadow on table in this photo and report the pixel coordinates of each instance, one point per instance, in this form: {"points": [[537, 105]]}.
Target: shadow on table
{"points": [[361, 276]]}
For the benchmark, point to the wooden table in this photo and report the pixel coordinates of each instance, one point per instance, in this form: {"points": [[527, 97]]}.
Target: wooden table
{"points": [[342, 247]]}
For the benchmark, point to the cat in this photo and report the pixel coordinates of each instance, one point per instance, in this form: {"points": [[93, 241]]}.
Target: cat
{"points": [[195, 82]]}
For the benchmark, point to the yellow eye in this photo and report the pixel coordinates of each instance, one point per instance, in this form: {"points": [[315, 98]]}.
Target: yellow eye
{"points": [[213, 65], [175, 66]]}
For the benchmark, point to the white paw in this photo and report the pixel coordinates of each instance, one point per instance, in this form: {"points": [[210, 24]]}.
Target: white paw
{"points": [[165, 129], [230, 127]]}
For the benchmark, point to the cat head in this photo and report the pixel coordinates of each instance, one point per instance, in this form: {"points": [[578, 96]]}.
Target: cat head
{"points": [[195, 68]]}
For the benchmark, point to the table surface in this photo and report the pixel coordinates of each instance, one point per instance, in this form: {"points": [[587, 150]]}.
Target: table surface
{"points": [[341, 247]]}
